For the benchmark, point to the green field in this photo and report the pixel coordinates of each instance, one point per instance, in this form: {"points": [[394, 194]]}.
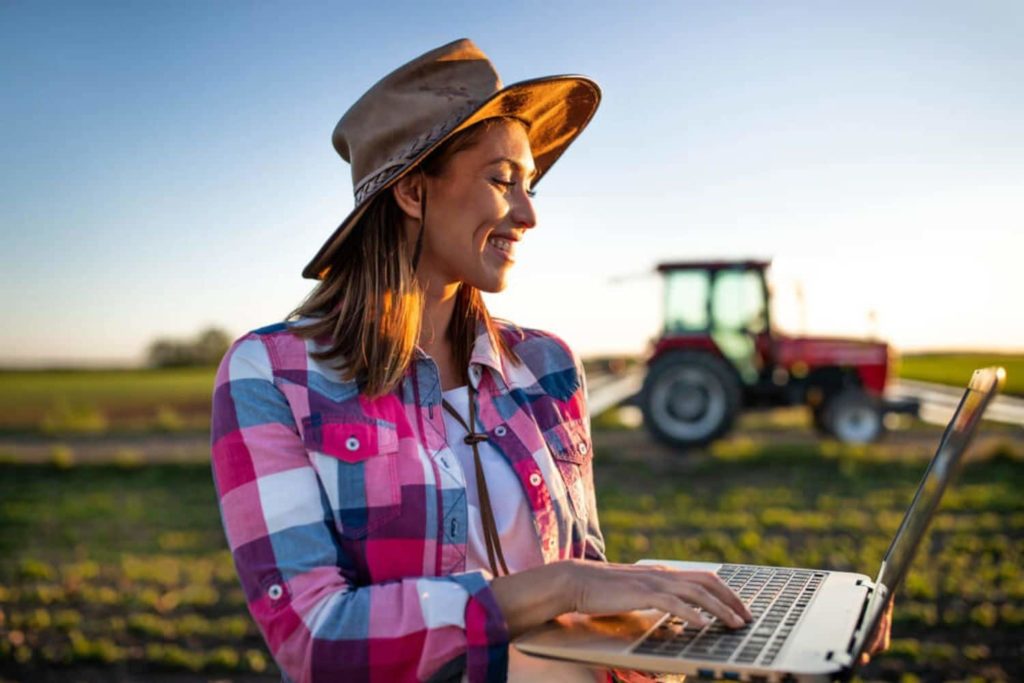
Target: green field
{"points": [[116, 401], [87, 401], [956, 368], [117, 571]]}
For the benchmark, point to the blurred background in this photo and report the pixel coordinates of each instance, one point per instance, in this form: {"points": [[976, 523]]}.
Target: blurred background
{"points": [[168, 172]]}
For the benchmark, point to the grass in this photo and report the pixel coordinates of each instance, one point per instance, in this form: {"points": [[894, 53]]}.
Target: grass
{"points": [[956, 368], [122, 568], [99, 401]]}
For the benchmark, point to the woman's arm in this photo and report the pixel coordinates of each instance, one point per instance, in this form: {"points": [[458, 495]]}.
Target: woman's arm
{"points": [[298, 577], [594, 586]]}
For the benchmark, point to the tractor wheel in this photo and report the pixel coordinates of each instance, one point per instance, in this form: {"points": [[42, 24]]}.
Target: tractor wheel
{"points": [[690, 399], [853, 416]]}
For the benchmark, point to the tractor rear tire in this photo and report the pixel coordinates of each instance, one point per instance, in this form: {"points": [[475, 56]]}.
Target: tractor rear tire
{"points": [[853, 416], [690, 399]]}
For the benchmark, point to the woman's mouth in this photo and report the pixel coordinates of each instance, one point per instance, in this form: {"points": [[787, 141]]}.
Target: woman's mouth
{"points": [[505, 246]]}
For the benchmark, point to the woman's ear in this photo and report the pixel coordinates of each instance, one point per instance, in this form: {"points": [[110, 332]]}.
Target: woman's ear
{"points": [[408, 193]]}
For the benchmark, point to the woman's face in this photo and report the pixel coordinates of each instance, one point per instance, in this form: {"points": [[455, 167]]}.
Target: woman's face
{"points": [[478, 208]]}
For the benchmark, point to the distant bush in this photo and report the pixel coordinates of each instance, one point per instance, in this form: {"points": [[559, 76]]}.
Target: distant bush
{"points": [[207, 348]]}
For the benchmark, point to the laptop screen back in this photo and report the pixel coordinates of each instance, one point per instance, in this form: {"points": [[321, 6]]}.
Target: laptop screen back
{"points": [[983, 387], [954, 442]]}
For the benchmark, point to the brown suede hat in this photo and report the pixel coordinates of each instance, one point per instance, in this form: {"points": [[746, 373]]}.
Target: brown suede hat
{"points": [[415, 108]]}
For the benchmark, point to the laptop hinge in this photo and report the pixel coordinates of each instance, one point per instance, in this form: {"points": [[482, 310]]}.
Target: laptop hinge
{"points": [[846, 658], [870, 585], [843, 659]]}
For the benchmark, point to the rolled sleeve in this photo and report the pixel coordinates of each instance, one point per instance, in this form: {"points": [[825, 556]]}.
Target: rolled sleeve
{"points": [[298, 576]]}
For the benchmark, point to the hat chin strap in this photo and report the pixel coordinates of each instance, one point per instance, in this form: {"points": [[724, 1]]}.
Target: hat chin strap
{"points": [[418, 250]]}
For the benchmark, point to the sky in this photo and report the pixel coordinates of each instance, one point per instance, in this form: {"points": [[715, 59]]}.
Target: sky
{"points": [[168, 166]]}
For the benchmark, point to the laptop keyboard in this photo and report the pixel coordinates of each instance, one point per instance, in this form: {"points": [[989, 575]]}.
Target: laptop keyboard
{"points": [[776, 597]]}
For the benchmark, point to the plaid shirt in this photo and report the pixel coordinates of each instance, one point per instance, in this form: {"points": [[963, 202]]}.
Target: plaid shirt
{"points": [[347, 516]]}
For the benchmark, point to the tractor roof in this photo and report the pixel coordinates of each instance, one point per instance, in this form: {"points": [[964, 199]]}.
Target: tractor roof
{"points": [[740, 264]]}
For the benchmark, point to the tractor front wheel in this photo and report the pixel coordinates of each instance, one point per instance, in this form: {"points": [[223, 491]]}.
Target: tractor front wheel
{"points": [[690, 399], [853, 416]]}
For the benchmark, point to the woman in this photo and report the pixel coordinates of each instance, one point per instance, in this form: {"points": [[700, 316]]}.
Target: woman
{"points": [[406, 482]]}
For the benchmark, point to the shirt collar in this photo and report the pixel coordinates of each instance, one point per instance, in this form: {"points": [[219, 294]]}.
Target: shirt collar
{"points": [[485, 353]]}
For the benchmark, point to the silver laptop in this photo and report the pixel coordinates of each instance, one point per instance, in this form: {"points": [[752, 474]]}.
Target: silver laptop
{"points": [[809, 624]]}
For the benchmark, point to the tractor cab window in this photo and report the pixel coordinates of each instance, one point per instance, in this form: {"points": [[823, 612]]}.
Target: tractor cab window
{"points": [[738, 301], [686, 301]]}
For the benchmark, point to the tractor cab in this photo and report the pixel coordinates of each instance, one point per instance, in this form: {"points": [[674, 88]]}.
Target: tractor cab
{"points": [[721, 305], [718, 355]]}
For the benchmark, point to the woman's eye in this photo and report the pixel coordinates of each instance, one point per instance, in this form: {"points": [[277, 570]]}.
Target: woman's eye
{"points": [[508, 184]]}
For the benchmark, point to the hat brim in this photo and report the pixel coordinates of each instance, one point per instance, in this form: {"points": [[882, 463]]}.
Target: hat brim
{"points": [[556, 109]]}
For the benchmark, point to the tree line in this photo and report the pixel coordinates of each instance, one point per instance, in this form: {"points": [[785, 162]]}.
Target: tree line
{"points": [[205, 349]]}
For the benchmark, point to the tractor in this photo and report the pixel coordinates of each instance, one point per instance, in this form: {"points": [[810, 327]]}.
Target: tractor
{"points": [[718, 355]]}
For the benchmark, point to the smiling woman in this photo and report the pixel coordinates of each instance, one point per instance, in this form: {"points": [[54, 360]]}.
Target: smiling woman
{"points": [[406, 483]]}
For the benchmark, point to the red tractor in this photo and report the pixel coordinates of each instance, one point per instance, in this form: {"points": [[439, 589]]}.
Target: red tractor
{"points": [[718, 355]]}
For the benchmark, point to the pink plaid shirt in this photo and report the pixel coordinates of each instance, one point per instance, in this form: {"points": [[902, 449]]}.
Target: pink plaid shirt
{"points": [[348, 524]]}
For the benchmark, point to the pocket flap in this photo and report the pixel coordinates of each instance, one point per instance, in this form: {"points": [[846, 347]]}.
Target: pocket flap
{"points": [[568, 441], [351, 441]]}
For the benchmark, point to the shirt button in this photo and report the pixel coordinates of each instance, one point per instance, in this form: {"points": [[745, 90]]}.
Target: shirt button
{"points": [[352, 443], [535, 479], [500, 430], [551, 543], [582, 448], [275, 591]]}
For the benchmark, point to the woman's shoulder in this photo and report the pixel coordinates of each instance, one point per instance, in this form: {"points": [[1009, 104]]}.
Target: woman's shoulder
{"points": [[271, 348], [549, 361], [534, 342]]}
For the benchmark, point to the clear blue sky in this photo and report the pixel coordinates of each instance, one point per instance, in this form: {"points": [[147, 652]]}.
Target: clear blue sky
{"points": [[168, 165]]}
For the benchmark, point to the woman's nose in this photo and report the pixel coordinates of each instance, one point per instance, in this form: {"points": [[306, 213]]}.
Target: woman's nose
{"points": [[522, 213]]}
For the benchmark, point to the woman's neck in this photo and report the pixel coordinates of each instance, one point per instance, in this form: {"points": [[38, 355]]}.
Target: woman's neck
{"points": [[438, 307]]}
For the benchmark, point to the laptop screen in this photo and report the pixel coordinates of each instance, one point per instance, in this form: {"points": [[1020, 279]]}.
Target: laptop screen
{"points": [[984, 385], [952, 446]]}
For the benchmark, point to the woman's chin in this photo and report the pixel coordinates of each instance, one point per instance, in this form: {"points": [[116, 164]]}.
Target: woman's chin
{"points": [[492, 278], [493, 287]]}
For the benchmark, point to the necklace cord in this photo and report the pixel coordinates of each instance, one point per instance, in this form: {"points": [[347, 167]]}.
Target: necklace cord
{"points": [[472, 438]]}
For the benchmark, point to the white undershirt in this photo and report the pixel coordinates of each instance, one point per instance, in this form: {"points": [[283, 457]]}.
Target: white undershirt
{"points": [[514, 522]]}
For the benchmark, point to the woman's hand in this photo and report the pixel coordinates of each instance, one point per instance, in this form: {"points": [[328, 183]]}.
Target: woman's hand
{"points": [[601, 588], [879, 641], [534, 596]]}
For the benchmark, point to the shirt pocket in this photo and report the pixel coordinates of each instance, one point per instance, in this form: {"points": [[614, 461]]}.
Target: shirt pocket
{"points": [[357, 459], [571, 450]]}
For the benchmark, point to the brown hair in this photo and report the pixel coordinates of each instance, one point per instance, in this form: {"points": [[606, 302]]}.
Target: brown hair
{"points": [[369, 304]]}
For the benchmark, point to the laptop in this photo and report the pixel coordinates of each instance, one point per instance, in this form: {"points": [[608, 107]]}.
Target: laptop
{"points": [[809, 624]]}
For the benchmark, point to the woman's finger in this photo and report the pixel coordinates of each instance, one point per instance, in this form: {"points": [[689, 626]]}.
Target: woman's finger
{"points": [[667, 602], [721, 590], [700, 596]]}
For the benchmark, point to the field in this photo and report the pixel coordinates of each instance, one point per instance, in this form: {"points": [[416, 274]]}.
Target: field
{"points": [[84, 402], [113, 565], [956, 368], [98, 402], [118, 571]]}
